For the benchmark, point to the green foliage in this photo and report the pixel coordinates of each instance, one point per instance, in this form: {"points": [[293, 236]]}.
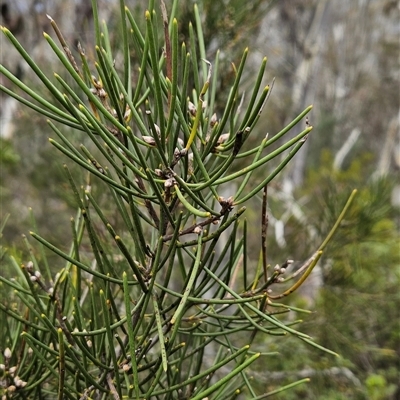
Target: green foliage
{"points": [[146, 300], [358, 302], [7, 153]]}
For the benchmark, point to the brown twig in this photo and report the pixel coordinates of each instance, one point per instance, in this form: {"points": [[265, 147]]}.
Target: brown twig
{"points": [[264, 227], [113, 390], [168, 53]]}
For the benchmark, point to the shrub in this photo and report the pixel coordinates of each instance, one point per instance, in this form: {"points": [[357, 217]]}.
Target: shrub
{"points": [[154, 297]]}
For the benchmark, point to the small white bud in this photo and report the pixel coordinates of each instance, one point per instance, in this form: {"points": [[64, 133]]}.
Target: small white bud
{"points": [[197, 230], [38, 274], [223, 138], [277, 267], [29, 265], [149, 140], [12, 370], [19, 382], [183, 152], [282, 270], [127, 115], [102, 93], [169, 183], [213, 120], [126, 367], [192, 108], [24, 384], [7, 353], [158, 131]]}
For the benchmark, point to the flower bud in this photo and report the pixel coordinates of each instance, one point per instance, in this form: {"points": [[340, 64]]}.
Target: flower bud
{"points": [[7, 353], [192, 109], [213, 120], [198, 230], [169, 183], [126, 367], [149, 140], [223, 138]]}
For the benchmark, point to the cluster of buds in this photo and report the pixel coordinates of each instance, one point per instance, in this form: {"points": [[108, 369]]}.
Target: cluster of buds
{"points": [[280, 270], [9, 381], [36, 276], [98, 89]]}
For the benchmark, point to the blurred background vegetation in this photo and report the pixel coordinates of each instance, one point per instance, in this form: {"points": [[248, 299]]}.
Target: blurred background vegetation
{"points": [[342, 57]]}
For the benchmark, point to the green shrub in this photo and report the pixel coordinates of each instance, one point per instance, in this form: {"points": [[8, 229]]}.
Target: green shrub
{"points": [[154, 296]]}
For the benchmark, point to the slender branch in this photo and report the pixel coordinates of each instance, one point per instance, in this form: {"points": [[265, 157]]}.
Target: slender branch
{"points": [[264, 227]]}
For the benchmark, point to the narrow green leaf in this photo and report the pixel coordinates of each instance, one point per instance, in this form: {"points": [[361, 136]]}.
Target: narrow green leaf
{"points": [[110, 337], [183, 303], [150, 36], [161, 338], [61, 365], [132, 346], [226, 378], [282, 389]]}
